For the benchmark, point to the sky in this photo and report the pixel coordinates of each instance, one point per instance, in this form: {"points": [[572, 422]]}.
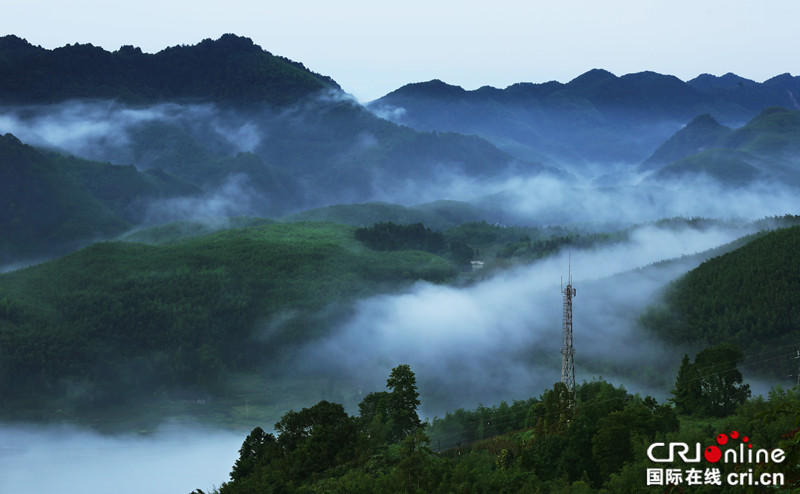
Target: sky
{"points": [[373, 47]]}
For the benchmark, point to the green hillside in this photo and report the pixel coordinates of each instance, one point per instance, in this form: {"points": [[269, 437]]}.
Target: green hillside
{"points": [[701, 133], [725, 165], [775, 132], [51, 203], [121, 321], [768, 146], [437, 215], [749, 297]]}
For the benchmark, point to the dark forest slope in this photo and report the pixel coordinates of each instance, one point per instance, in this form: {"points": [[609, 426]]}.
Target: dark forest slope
{"points": [[749, 297], [231, 68], [50, 203]]}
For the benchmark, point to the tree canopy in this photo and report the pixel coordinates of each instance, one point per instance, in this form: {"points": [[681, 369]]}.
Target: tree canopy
{"points": [[711, 385]]}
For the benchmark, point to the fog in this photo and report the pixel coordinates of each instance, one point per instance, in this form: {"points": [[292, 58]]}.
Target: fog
{"points": [[633, 199], [516, 193], [500, 339], [233, 198], [100, 130], [496, 339], [172, 460]]}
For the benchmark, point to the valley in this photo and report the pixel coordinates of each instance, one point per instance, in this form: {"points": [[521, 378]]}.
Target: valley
{"points": [[216, 237]]}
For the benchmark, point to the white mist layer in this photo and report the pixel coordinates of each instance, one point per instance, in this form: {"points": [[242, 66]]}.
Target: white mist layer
{"points": [[500, 339], [545, 199], [65, 460]]}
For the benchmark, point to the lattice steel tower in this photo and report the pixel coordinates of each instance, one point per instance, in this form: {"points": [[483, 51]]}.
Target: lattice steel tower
{"points": [[567, 351]]}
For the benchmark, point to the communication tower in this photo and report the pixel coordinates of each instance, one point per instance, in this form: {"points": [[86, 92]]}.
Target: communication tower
{"points": [[567, 350]]}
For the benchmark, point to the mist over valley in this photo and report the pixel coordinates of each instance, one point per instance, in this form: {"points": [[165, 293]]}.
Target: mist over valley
{"points": [[212, 236]]}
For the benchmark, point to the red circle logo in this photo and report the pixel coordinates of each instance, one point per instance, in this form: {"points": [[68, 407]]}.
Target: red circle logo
{"points": [[712, 454]]}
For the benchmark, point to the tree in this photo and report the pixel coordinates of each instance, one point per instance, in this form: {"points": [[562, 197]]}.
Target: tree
{"points": [[553, 413], [374, 417], [317, 438], [712, 385], [720, 380], [415, 453], [403, 402], [256, 450], [687, 393]]}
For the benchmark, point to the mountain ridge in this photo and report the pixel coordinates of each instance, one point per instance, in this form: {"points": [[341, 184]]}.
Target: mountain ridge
{"points": [[231, 68], [595, 116]]}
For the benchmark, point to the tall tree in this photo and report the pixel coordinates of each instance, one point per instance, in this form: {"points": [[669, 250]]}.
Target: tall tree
{"points": [[720, 380], [687, 393], [403, 402], [712, 385]]}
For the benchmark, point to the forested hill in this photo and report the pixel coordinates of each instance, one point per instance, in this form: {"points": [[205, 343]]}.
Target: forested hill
{"points": [[749, 297], [120, 322], [51, 203], [767, 147], [231, 69]]}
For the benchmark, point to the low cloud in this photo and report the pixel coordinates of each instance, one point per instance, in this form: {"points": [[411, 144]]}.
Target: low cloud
{"points": [[173, 459], [101, 130], [389, 112], [235, 197], [547, 199], [500, 339]]}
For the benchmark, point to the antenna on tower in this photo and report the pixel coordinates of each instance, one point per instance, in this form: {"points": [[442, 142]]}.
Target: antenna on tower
{"points": [[567, 350]]}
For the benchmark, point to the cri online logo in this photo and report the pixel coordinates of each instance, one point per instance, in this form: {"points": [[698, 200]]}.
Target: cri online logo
{"points": [[713, 454]]}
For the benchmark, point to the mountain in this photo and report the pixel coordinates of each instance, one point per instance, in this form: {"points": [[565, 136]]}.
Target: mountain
{"points": [[775, 132], [701, 133], [596, 117], [709, 82], [230, 69], [727, 166], [767, 147], [51, 203], [259, 132]]}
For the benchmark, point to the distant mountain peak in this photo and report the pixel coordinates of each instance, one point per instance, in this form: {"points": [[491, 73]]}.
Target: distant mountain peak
{"points": [[593, 76], [705, 120], [706, 82], [435, 88]]}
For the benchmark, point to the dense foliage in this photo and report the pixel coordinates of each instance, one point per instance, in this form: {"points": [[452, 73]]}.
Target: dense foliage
{"points": [[594, 440], [437, 215], [119, 321], [748, 297], [389, 236], [711, 385]]}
